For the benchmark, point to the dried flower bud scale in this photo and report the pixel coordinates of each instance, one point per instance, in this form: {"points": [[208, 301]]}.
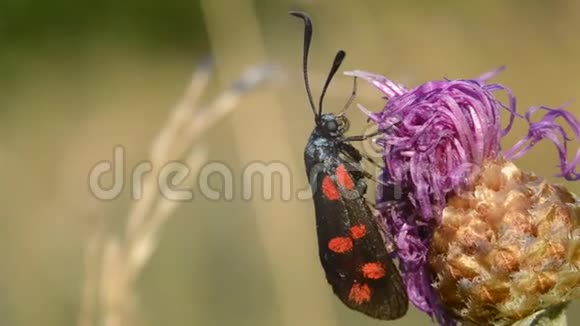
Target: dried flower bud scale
{"points": [[479, 241], [504, 248]]}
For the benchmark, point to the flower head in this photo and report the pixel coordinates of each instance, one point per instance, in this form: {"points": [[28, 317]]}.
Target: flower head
{"points": [[438, 139]]}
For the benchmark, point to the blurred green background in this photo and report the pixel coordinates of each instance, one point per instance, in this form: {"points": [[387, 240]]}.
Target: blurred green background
{"points": [[78, 78]]}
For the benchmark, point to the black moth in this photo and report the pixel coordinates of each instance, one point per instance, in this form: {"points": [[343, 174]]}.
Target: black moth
{"points": [[351, 248]]}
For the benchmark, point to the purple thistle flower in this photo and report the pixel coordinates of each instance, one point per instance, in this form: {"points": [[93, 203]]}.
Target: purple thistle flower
{"points": [[435, 138]]}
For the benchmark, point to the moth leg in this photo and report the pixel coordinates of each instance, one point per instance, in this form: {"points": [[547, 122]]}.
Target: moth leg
{"points": [[356, 155], [350, 151], [361, 186], [362, 137], [350, 99]]}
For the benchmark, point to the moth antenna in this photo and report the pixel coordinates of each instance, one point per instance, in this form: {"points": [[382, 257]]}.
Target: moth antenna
{"points": [[335, 65], [307, 41]]}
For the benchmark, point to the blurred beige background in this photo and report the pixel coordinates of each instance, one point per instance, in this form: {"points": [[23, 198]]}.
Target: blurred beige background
{"points": [[75, 81]]}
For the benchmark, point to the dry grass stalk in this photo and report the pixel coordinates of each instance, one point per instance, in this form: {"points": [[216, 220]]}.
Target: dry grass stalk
{"points": [[113, 263]]}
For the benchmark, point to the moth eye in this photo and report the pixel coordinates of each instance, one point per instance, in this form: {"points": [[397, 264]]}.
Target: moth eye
{"points": [[331, 126]]}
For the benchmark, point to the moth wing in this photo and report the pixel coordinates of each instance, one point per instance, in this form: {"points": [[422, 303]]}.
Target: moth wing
{"points": [[364, 277]]}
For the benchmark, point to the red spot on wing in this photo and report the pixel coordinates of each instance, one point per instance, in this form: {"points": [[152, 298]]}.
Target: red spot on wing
{"points": [[340, 245], [358, 231], [329, 189], [344, 178], [360, 293], [373, 271]]}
